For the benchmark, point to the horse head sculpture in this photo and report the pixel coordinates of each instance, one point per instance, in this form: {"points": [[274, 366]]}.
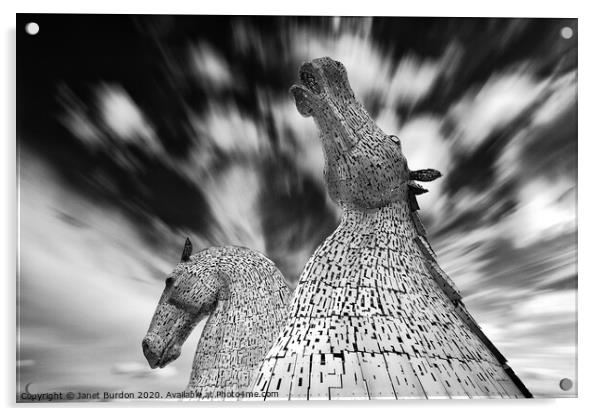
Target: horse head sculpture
{"points": [[191, 292], [245, 298], [373, 314], [365, 167]]}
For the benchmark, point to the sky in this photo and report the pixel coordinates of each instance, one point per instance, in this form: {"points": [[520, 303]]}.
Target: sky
{"points": [[135, 132]]}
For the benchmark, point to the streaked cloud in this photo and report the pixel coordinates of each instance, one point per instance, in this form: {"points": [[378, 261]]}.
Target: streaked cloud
{"points": [[563, 96], [545, 209], [229, 131], [210, 67], [496, 103], [123, 118], [234, 200], [112, 123]]}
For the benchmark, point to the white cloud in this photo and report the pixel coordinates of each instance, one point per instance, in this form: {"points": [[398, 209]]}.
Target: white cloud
{"points": [[233, 196], [142, 369], [232, 132], [82, 128], [543, 211], [563, 96], [494, 104], [556, 306], [124, 119], [210, 67], [413, 79]]}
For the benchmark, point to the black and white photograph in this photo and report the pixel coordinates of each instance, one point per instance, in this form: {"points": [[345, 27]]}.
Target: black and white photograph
{"points": [[276, 208]]}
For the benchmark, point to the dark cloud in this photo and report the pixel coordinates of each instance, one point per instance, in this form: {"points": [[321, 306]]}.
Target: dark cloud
{"points": [[538, 264], [552, 150], [296, 219]]}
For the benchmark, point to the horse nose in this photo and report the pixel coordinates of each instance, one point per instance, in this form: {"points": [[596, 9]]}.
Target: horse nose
{"points": [[149, 354]]}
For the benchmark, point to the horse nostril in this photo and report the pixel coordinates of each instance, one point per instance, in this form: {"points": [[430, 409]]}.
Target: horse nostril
{"points": [[309, 80], [151, 357]]}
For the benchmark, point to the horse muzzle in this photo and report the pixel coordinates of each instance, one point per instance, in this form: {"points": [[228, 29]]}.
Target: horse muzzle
{"points": [[159, 358]]}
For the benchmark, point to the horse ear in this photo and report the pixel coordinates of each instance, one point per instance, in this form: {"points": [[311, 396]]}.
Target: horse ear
{"points": [[425, 175], [416, 188], [187, 250]]}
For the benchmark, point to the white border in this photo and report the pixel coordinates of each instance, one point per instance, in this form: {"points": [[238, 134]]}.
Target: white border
{"points": [[515, 8], [590, 198]]}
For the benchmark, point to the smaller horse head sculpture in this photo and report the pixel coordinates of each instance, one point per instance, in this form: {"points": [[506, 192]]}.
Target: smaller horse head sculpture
{"points": [[246, 298], [186, 299]]}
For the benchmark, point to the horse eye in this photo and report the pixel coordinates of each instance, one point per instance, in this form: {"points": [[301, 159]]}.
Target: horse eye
{"points": [[169, 281], [395, 139]]}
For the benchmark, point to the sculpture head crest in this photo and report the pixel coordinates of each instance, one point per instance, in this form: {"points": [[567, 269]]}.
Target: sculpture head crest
{"points": [[187, 250]]}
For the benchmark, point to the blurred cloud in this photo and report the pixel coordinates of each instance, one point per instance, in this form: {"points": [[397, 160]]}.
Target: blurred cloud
{"points": [[545, 209], [123, 118], [491, 106], [141, 369], [229, 131], [113, 123], [211, 68], [563, 96], [234, 202], [413, 79]]}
